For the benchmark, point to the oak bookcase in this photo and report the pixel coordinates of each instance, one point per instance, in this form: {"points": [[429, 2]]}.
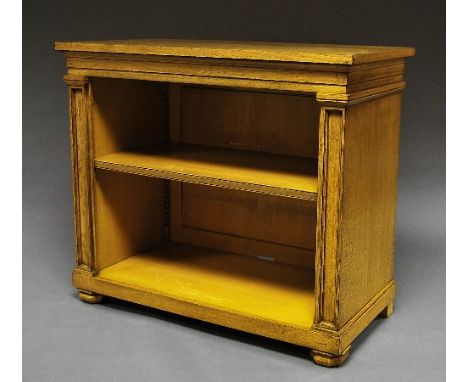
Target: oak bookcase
{"points": [[251, 185]]}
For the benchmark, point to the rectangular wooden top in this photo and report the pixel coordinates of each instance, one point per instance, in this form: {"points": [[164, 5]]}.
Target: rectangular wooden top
{"points": [[263, 51]]}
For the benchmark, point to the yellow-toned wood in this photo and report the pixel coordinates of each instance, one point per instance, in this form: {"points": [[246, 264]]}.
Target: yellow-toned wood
{"points": [[252, 171], [328, 237], [203, 67], [251, 185], [366, 315], [328, 92], [129, 216], [126, 114], [334, 73], [370, 165], [244, 222], [82, 153], [329, 360], [325, 74], [90, 297], [307, 337], [359, 156], [250, 215], [229, 282], [388, 311], [250, 120], [269, 51], [327, 341]]}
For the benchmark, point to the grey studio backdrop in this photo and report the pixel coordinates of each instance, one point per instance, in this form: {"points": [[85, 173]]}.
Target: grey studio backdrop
{"points": [[66, 340]]}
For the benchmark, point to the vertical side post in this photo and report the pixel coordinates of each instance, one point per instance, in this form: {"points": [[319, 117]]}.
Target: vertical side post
{"points": [[329, 215], [82, 171]]}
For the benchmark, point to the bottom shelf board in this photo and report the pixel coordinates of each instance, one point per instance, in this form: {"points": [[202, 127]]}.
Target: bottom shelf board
{"points": [[224, 281]]}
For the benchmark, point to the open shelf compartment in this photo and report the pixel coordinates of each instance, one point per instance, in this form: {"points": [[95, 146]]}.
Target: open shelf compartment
{"points": [[207, 196], [224, 281]]}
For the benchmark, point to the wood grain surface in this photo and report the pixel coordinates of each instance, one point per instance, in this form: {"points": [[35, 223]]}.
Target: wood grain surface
{"points": [[268, 51], [244, 222], [251, 185], [226, 281], [244, 170]]}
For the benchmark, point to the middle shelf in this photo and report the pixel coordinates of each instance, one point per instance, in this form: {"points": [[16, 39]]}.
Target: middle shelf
{"points": [[273, 174]]}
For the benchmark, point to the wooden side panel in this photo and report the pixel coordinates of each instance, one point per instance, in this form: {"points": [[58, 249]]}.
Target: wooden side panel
{"points": [[127, 114], [130, 215], [271, 227], [249, 120], [369, 202]]}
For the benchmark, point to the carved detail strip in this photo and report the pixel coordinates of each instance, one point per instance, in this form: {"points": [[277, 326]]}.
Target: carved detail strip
{"points": [[81, 150], [329, 203]]}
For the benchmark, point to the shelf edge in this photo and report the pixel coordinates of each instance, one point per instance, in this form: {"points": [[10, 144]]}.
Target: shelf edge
{"points": [[207, 181]]}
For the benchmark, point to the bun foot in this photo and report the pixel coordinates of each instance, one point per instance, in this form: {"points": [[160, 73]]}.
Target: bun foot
{"points": [[329, 360], [90, 297], [387, 312]]}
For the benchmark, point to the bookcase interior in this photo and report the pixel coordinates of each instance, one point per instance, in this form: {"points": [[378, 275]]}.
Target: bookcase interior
{"points": [[208, 194]]}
